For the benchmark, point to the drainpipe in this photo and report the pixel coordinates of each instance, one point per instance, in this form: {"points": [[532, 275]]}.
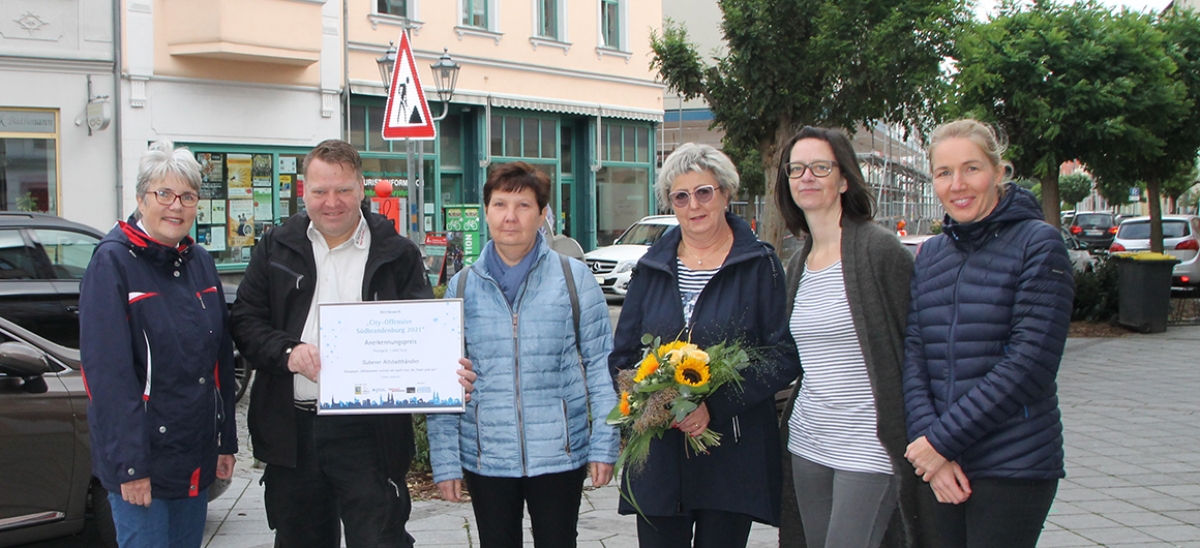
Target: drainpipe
{"points": [[346, 68], [118, 68], [487, 137]]}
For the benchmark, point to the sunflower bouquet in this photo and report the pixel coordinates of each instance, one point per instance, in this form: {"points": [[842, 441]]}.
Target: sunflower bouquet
{"points": [[671, 381]]}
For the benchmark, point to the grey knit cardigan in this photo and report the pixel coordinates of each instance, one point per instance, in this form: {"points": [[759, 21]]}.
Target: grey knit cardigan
{"points": [[877, 271]]}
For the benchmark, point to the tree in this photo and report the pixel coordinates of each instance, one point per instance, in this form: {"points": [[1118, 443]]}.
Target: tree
{"points": [[1055, 78], [834, 63], [1155, 139], [1073, 188], [1115, 191], [1178, 184]]}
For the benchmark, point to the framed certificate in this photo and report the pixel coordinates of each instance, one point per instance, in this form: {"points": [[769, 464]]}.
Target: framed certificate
{"points": [[391, 357]]}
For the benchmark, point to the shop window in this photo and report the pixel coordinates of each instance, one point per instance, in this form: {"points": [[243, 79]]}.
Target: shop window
{"points": [[621, 200], [450, 133], [548, 139], [512, 137], [566, 156], [530, 138], [237, 200], [516, 137], [611, 32], [29, 161]]}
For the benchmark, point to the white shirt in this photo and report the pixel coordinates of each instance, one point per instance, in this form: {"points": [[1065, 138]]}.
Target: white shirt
{"points": [[833, 423], [339, 280]]}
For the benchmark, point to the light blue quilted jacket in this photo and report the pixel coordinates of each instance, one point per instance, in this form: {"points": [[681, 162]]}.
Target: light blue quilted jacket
{"points": [[528, 415]]}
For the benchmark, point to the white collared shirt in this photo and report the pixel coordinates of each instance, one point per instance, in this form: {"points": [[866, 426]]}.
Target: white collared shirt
{"points": [[339, 280]]}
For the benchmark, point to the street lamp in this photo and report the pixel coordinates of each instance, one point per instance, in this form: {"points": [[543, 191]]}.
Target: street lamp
{"points": [[387, 64], [445, 75]]}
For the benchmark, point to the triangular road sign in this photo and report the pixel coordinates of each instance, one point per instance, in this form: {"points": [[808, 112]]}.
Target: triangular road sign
{"points": [[407, 115]]}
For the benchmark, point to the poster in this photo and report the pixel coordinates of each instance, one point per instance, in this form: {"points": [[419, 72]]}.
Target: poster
{"points": [[212, 175], [216, 238], [261, 170], [264, 208], [241, 223], [287, 164], [240, 167], [285, 187], [217, 216], [204, 212]]}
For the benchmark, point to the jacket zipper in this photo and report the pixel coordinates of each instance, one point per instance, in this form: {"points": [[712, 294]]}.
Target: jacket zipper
{"points": [[566, 427], [478, 440], [951, 339], [517, 393]]}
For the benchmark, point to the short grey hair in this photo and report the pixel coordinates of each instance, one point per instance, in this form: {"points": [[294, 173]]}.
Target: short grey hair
{"points": [[699, 158], [163, 160]]}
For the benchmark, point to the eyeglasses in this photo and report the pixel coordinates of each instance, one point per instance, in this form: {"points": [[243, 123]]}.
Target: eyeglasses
{"points": [[682, 198], [819, 168], [166, 197]]}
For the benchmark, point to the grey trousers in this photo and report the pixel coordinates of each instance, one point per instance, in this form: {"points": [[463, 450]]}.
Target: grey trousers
{"points": [[842, 509]]}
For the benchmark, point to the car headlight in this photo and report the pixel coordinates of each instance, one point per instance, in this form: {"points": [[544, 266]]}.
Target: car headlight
{"points": [[624, 267]]}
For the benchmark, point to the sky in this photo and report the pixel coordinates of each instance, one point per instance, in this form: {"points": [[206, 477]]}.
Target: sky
{"points": [[983, 7]]}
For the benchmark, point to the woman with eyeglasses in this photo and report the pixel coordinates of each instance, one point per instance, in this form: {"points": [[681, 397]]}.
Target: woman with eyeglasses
{"points": [[158, 361], [847, 293], [710, 280], [991, 307]]}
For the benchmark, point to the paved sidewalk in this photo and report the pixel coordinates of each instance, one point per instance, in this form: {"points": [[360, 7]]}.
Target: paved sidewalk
{"points": [[1131, 410]]}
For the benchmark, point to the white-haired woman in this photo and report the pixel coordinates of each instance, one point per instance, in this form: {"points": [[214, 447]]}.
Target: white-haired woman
{"points": [[158, 361], [713, 281]]}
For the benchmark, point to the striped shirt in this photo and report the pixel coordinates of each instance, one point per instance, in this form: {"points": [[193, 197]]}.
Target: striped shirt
{"points": [[834, 422], [691, 283]]}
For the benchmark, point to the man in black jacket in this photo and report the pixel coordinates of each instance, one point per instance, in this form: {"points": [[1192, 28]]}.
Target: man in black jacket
{"points": [[323, 472]]}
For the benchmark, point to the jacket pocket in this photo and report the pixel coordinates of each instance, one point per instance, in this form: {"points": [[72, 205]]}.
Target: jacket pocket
{"points": [[566, 427], [296, 277], [478, 441]]}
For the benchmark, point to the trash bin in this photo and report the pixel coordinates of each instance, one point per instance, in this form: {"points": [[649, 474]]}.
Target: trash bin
{"points": [[1144, 290]]}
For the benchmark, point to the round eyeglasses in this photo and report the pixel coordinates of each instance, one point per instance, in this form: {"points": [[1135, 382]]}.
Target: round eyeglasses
{"points": [[682, 198], [166, 197], [819, 168]]}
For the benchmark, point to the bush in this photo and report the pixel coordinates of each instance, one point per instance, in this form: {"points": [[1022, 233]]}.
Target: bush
{"points": [[420, 462], [1096, 293], [439, 291]]}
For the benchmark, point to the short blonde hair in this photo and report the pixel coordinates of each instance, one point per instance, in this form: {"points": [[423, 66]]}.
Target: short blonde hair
{"points": [[694, 157], [989, 139]]}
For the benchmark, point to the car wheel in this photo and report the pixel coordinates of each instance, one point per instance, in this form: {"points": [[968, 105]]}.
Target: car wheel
{"points": [[243, 372], [102, 515]]}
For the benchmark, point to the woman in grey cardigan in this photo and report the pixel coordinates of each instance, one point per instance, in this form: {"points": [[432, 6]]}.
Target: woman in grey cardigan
{"points": [[844, 432]]}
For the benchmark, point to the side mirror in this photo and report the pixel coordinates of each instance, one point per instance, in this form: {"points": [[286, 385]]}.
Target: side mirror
{"points": [[22, 360]]}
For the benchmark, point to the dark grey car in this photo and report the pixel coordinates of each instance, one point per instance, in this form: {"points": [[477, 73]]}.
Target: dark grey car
{"points": [[1096, 229]]}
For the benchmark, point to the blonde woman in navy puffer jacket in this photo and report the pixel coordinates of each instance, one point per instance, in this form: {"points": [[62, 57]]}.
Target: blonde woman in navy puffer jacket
{"points": [[990, 309]]}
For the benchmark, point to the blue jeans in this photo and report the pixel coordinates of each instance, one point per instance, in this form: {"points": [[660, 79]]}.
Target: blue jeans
{"points": [[173, 523]]}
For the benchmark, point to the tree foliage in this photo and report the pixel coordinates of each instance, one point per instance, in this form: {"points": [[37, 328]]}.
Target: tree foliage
{"points": [[1073, 188], [833, 63]]}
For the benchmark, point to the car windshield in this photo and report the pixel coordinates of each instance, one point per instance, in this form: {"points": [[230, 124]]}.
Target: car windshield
{"points": [[642, 234], [1140, 230], [1093, 220]]}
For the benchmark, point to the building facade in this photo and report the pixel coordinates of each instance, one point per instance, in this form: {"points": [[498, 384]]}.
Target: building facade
{"points": [[251, 85]]}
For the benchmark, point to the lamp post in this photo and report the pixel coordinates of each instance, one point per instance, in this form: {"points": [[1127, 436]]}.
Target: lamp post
{"points": [[387, 64], [445, 75]]}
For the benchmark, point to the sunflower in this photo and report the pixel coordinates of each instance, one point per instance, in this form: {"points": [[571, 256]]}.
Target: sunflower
{"points": [[675, 352], [625, 409], [648, 366], [692, 372]]}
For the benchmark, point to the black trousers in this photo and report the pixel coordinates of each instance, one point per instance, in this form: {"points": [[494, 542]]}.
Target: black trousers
{"points": [[553, 500], [1000, 513], [338, 479], [713, 529]]}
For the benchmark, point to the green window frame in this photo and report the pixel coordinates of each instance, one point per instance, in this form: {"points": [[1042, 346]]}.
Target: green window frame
{"points": [[475, 13], [610, 23], [398, 8], [548, 12]]}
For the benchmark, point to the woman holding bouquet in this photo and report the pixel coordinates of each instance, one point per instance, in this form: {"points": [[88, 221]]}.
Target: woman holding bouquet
{"points": [[710, 281], [848, 291], [991, 304]]}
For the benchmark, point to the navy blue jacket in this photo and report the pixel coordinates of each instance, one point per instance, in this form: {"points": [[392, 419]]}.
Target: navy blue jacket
{"points": [[745, 301], [990, 309], [157, 364]]}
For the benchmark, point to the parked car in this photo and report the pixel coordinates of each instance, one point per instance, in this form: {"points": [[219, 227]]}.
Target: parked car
{"points": [[1095, 228], [913, 243], [47, 487], [42, 260], [1081, 257], [613, 265], [1181, 238]]}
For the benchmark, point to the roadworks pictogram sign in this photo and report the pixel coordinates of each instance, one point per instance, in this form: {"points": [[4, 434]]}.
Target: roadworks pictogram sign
{"points": [[407, 112]]}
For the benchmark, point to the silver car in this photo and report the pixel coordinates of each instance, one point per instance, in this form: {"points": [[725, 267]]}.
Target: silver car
{"points": [[1181, 238]]}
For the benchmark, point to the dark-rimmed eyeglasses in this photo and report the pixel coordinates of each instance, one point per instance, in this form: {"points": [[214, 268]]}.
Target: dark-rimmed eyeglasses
{"points": [[682, 198], [819, 168], [166, 197]]}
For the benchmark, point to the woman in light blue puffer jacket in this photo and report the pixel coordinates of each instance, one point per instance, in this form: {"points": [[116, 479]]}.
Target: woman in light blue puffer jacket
{"points": [[526, 437]]}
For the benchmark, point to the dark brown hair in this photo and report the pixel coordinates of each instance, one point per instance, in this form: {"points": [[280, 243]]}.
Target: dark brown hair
{"points": [[515, 177], [858, 204], [334, 152]]}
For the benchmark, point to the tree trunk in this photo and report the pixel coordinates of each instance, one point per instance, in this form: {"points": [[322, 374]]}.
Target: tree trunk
{"points": [[1153, 187], [1050, 199], [773, 229]]}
